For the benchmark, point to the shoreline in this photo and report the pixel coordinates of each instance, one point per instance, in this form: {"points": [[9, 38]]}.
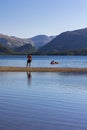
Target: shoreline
{"points": [[40, 69]]}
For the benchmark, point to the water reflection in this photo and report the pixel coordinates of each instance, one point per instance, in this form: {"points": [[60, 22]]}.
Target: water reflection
{"points": [[55, 101], [29, 78]]}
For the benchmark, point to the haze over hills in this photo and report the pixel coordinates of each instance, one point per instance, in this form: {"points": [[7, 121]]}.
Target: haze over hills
{"points": [[36, 41], [25, 44], [41, 40], [27, 48], [66, 42], [11, 41], [4, 50]]}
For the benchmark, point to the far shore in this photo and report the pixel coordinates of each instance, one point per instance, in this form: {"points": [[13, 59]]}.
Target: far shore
{"points": [[40, 69]]}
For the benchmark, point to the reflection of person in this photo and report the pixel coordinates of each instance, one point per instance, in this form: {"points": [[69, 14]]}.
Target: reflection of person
{"points": [[29, 77], [29, 59]]}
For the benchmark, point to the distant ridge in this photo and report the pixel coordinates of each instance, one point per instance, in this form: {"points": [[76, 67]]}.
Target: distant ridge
{"points": [[27, 48], [67, 41], [41, 40], [11, 41], [4, 50]]}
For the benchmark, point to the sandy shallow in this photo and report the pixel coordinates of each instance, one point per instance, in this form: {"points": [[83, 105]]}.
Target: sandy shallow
{"points": [[39, 69]]}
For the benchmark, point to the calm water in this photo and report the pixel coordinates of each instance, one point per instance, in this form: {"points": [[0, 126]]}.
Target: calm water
{"points": [[43, 101], [44, 61]]}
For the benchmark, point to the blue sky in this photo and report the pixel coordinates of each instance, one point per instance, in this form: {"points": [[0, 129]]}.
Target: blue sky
{"points": [[27, 18]]}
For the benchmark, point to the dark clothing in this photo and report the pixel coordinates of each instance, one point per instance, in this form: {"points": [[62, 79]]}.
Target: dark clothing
{"points": [[28, 61]]}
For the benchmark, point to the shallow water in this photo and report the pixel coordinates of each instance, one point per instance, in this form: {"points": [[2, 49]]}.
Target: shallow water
{"points": [[43, 101], [44, 61]]}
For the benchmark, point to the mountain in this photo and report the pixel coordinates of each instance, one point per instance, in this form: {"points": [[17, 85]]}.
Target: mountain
{"points": [[4, 50], [11, 41], [25, 49], [41, 40], [24, 45], [66, 41], [70, 42]]}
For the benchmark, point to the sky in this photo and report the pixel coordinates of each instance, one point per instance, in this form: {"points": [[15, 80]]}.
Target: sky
{"points": [[28, 18]]}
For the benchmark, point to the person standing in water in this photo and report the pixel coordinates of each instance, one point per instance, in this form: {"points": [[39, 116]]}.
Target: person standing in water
{"points": [[29, 59]]}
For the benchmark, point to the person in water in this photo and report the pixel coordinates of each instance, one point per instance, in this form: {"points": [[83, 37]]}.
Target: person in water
{"points": [[53, 62], [29, 59]]}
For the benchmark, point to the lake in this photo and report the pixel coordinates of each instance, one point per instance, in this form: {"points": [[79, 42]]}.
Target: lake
{"points": [[44, 61], [43, 101]]}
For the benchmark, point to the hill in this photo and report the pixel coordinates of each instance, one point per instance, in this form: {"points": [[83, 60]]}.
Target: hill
{"points": [[41, 40], [25, 49], [24, 45], [70, 42], [66, 42], [11, 41], [37, 41], [4, 50]]}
